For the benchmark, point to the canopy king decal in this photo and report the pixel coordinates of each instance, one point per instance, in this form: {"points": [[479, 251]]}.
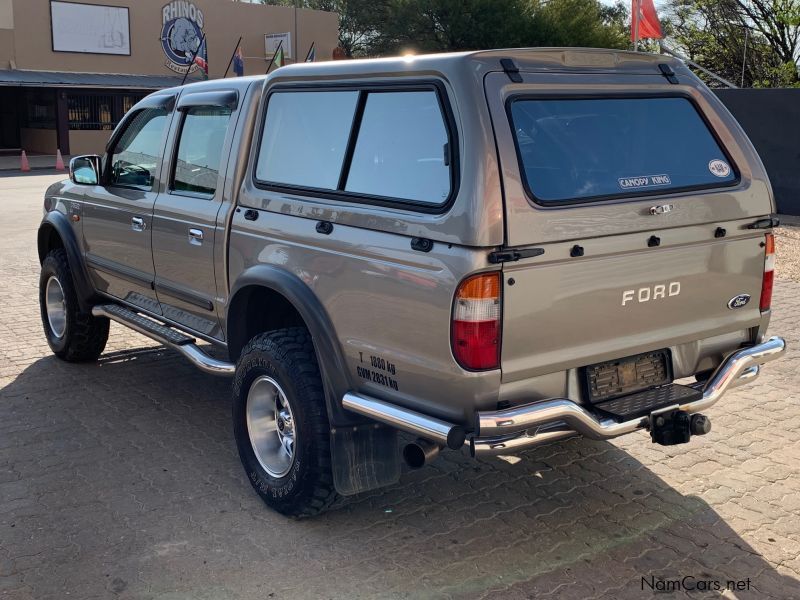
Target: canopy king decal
{"points": [[181, 34]]}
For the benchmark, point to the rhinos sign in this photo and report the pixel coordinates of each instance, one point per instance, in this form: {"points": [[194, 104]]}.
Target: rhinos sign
{"points": [[181, 34]]}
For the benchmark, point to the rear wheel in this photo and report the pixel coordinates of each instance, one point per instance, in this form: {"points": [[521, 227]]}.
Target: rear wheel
{"points": [[72, 335], [281, 423]]}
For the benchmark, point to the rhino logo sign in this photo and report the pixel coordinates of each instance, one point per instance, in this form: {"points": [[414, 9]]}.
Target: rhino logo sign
{"points": [[181, 34]]}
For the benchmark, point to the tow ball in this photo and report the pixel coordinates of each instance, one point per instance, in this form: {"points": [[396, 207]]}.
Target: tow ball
{"points": [[674, 426]]}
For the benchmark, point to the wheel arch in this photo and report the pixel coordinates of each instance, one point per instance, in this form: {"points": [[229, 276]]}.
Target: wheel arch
{"points": [[54, 232], [291, 303]]}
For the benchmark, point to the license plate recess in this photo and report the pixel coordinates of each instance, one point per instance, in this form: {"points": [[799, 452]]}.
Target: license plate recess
{"points": [[620, 377]]}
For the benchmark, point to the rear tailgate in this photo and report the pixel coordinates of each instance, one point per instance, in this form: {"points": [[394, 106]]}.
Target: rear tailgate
{"points": [[622, 298], [641, 210]]}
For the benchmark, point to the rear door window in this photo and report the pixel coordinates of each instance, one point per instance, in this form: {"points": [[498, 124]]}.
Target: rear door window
{"points": [[577, 150], [200, 149]]}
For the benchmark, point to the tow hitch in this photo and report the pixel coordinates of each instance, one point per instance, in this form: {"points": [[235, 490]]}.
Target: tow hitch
{"points": [[672, 426]]}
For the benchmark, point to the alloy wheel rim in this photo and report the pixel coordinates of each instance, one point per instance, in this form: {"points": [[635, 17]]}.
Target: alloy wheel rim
{"points": [[56, 306], [270, 426]]}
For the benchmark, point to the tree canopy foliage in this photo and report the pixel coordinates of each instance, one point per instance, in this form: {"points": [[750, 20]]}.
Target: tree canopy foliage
{"points": [[755, 43], [386, 27], [720, 35]]}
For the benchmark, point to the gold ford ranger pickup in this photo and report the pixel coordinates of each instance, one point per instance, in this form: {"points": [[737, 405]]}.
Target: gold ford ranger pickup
{"points": [[484, 250]]}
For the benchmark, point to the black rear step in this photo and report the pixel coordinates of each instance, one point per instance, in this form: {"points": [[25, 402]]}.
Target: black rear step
{"points": [[643, 403]]}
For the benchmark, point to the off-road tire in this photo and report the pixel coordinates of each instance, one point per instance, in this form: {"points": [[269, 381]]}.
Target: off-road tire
{"points": [[287, 356], [85, 335]]}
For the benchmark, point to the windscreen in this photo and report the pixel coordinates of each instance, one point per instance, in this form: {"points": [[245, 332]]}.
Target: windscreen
{"points": [[575, 150]]}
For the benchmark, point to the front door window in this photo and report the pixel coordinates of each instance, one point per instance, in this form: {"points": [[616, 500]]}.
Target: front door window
{"points": [[136, 156]]}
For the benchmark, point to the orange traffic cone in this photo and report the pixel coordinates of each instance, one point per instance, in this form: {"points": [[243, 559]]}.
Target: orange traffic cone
{"points": [[24, 164], [59, 161]]}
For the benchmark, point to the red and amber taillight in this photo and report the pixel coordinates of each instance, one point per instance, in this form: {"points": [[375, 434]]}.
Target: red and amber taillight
{"points": [[476, 322], [769, 272]]}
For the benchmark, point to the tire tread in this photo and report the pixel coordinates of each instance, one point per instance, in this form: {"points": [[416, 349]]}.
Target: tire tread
{"points": [[294, 348], [86, 334]]}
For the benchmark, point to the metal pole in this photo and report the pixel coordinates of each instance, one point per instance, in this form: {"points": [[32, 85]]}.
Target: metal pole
{"points": [[744, 54], [691, 63], [194, 56], [638, 5], [294, 43], [310, 49], [230, 62], [274, 54]]}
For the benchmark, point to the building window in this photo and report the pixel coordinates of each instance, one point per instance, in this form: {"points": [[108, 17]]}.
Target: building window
{"points": [[88, 111], [91, 112], [40, 109], [128, 100]]}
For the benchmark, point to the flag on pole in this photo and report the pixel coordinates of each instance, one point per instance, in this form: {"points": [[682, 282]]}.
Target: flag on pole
{"points": [[278, 60], [201, 59], [312, 53], [238, 62], [644, 21]]}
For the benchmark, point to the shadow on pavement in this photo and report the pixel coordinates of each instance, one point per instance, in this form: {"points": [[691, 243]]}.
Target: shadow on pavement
{"points": [[121, 479]]}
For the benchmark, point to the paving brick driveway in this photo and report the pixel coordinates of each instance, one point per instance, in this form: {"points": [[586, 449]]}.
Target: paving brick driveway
{"points": [[121, 480]]}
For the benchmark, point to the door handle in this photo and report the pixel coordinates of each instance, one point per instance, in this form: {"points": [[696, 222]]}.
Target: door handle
{"points": [[196, 236], [137, 224]]}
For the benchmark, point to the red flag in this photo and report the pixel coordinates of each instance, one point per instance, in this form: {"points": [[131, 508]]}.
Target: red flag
{"points": [[201, 58], [643, 12]]}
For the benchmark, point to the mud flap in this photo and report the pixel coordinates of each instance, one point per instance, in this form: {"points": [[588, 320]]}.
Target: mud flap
{"points": [[365, 457]]}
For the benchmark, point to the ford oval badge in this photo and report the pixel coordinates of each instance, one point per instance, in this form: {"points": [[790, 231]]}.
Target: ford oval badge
{"points": [[738, 301]]}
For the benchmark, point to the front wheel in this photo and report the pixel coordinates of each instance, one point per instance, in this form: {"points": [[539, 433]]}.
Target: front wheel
{"points": [[72, 335], [281, 424]]}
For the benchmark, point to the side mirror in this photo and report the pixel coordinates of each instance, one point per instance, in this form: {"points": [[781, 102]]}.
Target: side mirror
{"points": [[85, 170]]}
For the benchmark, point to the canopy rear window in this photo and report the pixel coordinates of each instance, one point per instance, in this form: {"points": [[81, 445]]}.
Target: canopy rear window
{"points": [[576, 150]]}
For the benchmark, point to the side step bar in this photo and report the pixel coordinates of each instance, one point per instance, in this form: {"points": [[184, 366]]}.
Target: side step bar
{"points": [[520, 427], [172, 338]]}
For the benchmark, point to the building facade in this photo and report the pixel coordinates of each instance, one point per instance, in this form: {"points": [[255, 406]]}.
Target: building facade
{"points": [[70, 70]]}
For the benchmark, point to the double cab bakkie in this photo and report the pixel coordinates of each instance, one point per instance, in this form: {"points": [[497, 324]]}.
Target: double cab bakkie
{"points": [[485, 250]]}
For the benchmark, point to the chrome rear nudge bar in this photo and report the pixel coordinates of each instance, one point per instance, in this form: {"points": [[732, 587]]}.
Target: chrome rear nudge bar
{"points": [[520, 427], [428, 428], [514, 429]]}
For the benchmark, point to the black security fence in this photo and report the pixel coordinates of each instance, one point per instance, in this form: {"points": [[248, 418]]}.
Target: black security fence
{"points": [[771, 119], [86, 109], [40, 109], [99, 111]]}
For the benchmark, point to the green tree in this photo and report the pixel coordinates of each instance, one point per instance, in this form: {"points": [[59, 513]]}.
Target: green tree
{"points": [[450, 25], [751, 42], [386, 27], [584, 23]]}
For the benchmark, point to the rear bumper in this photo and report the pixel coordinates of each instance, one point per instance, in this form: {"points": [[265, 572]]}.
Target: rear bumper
{"points": [[514, 429], [524, 426]]}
